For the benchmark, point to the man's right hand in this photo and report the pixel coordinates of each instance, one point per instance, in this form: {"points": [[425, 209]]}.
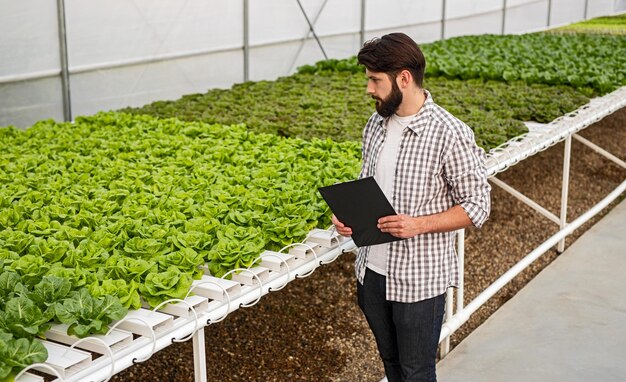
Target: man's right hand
{"points": [[341, 228]]}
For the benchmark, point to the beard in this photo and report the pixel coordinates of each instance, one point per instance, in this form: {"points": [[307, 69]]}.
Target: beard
{"points": [[386, 107]]}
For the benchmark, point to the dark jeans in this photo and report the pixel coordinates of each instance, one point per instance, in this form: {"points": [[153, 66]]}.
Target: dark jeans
{"points": [[407, 334]]}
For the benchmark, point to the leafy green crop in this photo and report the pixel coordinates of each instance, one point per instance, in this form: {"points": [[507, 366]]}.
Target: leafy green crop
{"points": [[582, 61], [599, 25], [86, 314], [593, 64], [17, 353], [133, 206], [333, 104], [127, 293], [22, 317], [166, 285]]}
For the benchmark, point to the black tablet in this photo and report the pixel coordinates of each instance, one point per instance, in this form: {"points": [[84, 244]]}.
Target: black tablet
{"points": [[359, 204]]}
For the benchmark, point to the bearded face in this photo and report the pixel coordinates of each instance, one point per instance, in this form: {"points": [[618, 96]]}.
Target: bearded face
{"points": [[386, 107]]}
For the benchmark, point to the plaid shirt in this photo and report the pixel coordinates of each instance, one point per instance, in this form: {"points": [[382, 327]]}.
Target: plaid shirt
{"points": [[439, 166]]}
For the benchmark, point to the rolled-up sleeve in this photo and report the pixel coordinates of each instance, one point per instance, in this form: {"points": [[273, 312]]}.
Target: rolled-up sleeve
{"points": [[466, 175]]}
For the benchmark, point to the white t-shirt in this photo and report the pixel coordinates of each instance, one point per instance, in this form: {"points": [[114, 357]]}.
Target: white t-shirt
{"points": [[385, 174]]}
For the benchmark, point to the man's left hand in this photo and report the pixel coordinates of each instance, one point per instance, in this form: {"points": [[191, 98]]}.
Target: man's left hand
{"points": [[402, 226]]}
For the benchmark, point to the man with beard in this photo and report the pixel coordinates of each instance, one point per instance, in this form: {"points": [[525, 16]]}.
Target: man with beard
{"points": [[431, 170]]}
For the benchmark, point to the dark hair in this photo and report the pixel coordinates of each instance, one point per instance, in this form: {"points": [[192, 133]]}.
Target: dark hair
{"points": [[391, 54]]}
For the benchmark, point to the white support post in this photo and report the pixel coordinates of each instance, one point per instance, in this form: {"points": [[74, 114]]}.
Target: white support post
{"points": [[199, 356], [461, 255], [445, 345], [503, 17], [63, 56], [450, 309], [565, 188], [531, 203], [600, 151], [362, 31], [443, 20], [246, 41]]}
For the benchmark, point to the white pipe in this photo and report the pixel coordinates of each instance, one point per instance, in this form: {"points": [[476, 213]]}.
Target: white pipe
{"points": [[445, 346], [565, 189], [531, 203], [600, 150], [450, 326], [461, 253], [246, 41], [199, 356]]}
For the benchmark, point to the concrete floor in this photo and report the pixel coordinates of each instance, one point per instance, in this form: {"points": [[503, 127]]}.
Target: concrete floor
{"points": [[568, 324]]}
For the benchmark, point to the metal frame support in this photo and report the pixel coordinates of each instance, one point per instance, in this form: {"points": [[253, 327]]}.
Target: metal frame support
{"points": [[65, 72], [199, 356], [444, 347], [503, 16], [362, 32], [443, 19], [565, 189], [461, 254], [306, 36], [586, 8], [450, 309], [600, 151], [549, 12], [246, 41], [525, 199], [312, 29]]}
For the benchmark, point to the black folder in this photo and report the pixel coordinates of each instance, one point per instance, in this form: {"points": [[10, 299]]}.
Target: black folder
{"points": [[359, 204]]}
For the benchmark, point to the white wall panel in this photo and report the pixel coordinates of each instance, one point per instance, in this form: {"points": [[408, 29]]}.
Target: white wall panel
{"points": [[337, 16], [101, 31], [272, 61], [390, 14], [274, 21], [277, 20], [526, 16], [463, 8], [420, 33], [600, 7], [567, 11], [515, 3], [24, 103], [28, 37], [335, 47], [141, 84], [471, 25]]}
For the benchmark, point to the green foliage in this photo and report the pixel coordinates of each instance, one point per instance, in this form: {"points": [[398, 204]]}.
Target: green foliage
{"points": [[166, 285], [50, 290], [599, 25], [126, 292], [132, 206], [86, 314], [334, 104], [582, 61], [22, 317], [17, 353], [593, 64]]}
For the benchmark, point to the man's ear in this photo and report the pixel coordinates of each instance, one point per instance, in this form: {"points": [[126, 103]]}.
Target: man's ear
{"points": [[404, 78]]}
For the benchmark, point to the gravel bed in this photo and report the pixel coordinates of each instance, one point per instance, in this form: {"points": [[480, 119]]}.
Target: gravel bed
{"points": [[312, 330]]}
